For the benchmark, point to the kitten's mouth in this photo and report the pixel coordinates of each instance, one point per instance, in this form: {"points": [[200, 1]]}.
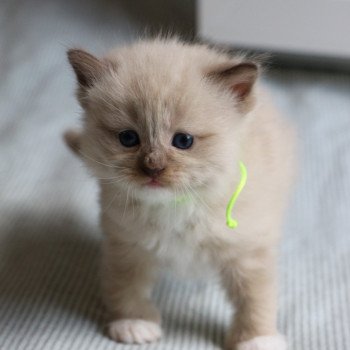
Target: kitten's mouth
{"points": [[154, 183]]}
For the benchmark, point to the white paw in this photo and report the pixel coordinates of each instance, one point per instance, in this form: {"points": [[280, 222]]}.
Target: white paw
{"points": [[134, 331], [273, 342]]}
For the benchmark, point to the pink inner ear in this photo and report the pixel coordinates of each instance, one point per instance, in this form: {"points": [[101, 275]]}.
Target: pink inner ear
{"points": [[241, 90]]}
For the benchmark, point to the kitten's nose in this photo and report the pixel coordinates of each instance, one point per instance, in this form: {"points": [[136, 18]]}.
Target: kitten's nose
{"points": [[152, 172], [153, 164]]}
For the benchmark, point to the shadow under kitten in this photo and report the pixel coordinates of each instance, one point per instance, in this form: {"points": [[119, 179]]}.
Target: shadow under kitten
{"points": [[51, 266]]}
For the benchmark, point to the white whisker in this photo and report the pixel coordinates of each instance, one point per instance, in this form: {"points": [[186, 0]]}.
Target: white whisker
{"points": [[195, 193], [126, 200], [175, 204], [133, 201], [98, 162], [111, 202], [115, 181]]}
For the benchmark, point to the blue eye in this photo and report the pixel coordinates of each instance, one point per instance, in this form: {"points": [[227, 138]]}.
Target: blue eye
{"points": [[182, 141], [129, 138]]}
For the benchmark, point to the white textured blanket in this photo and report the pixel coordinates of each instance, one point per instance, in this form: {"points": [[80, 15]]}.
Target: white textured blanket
{"points": [[49, 237]]}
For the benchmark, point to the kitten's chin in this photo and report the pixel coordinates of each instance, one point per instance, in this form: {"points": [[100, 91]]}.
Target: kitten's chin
{"points": [[154, 194]]}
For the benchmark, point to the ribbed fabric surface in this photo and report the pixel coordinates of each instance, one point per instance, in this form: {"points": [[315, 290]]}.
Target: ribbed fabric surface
{"points": [[49, 237]]}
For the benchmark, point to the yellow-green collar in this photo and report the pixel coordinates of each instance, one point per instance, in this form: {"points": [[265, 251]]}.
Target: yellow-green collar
{"points": [[230, 222]]}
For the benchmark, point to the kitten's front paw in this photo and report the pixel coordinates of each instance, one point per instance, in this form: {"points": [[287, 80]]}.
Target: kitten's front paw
{"points": [[134, 331], [273, 342]]}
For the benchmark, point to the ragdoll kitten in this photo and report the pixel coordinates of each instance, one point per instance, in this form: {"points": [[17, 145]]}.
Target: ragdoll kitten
{"points": [[165, 125]]}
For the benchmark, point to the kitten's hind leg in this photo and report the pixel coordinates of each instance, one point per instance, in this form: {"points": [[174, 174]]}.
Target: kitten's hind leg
{"points": [[127, 280]]}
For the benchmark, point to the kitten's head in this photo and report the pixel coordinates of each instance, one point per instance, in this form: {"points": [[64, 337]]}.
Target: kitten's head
{"points": [[161, 116]]}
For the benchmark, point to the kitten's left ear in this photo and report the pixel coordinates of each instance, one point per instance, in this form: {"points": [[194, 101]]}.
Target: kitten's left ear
{"points": [[240, 80], [87, 67]]}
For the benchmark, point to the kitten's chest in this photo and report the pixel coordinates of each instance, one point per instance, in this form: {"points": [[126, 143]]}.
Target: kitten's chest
{"points": [[174, 237]]}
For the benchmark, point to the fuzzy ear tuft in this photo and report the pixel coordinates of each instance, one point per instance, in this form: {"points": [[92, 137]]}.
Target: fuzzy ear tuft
{"points": [[87, 67], [72, 139], [240, 79]]}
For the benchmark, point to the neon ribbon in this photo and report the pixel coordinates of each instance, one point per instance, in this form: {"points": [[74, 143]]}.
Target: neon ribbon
{"points": [[230, 222]]}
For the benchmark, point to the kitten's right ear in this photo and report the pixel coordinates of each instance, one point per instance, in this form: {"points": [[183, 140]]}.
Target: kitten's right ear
{"points": [[87, 67]]}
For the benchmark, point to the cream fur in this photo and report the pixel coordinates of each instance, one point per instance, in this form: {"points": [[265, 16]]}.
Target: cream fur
{"points": [[158, 88], [276, 342], [134, 331]]}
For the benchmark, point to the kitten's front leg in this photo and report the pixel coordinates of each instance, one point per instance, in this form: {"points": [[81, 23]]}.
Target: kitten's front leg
{"points": [[127, 279], [250, 282]]}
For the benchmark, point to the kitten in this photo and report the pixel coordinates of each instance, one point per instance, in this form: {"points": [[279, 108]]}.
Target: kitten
{"points": [[165, 125]]}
